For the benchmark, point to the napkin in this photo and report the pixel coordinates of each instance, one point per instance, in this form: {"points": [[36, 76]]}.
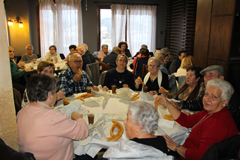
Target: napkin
{"points": [[73, 106], [166, 123], [125, 93]]}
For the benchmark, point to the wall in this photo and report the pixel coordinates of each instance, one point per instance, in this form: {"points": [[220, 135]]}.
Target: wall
{"points": [[8, 129], [19, 36]]}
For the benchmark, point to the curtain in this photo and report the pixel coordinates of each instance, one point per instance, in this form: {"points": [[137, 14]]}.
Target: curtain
{"points": [[141, 27], [119, 15], [60, 24]]}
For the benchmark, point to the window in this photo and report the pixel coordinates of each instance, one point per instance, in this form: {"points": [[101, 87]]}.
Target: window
{"points": [[105, 27], [60, 25], [135, 24]]}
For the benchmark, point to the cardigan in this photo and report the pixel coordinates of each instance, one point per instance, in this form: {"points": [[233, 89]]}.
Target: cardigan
{"points": [[213, 129]]}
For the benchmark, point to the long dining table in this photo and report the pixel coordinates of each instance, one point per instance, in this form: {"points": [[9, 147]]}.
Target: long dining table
{"points": [[106, 107]]}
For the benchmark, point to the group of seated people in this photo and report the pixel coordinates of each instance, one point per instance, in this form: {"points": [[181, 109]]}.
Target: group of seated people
{"points": [[218, 106]]}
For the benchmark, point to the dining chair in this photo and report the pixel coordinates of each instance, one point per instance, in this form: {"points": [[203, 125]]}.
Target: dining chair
{"points": [[144, 69], [103, 66], [92, 70]]}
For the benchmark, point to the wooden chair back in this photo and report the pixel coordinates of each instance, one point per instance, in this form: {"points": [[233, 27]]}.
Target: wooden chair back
{"points": [[101, 65], [144, 69]]}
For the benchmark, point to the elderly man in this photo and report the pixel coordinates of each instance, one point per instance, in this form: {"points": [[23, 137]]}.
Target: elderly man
{"points": [[81, 50], [161, 55], [88, 53], [71, 81], [104, 52], [111, 58], [213, 72], [177, 62]]}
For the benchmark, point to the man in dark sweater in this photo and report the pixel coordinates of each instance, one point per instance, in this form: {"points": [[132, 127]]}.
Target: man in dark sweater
{"points": [[88, 53], [111, 58], [81, 50], [177, 62]]}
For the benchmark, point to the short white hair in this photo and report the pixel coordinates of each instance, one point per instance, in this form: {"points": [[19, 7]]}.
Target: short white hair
{"points": [[145, 114], [82, 47], [160, 53], [29, 45], [224, 86], [154, 59]]}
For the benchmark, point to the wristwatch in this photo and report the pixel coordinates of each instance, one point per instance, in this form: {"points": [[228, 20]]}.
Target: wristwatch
{"points": [[177, 146]]}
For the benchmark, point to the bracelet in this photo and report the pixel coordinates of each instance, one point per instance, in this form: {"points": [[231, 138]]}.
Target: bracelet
{"points": [[177, 146]]}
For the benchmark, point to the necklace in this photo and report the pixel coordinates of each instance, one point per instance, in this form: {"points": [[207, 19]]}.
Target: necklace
{"points": [[120, 79], [202, 120]]}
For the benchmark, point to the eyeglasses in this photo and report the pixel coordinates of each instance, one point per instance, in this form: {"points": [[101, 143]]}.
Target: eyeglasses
{"points": [[120, 60], [153, 66], [76, 62]]}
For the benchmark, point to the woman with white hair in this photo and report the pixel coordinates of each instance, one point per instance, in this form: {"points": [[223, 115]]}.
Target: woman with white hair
{"points": [[212, 125], [154, 79], [104, 52], [140, 126], [29, 56]]}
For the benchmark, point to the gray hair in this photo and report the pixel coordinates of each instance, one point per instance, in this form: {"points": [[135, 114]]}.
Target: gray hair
{"points": [[224, 86], [104, 45], [154, 59], [145, 114], [166, 51], [122, 55], [29, 45], [74, 55], [82, 47], [38, 86], [160, 53]]}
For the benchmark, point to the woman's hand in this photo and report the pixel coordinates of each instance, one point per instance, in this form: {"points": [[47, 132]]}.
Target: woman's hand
{"points": [[170, 144], [161, 90], [153, 93], [138, 81], [60, 95], [95, 88], [56, 60], [105, 88], [163, 100]]}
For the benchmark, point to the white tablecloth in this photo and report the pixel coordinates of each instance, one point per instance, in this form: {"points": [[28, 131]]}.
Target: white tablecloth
{"points": [[116, 108]]}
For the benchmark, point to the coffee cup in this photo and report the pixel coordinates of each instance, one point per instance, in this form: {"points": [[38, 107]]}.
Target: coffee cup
{"points": [[90, 118]]}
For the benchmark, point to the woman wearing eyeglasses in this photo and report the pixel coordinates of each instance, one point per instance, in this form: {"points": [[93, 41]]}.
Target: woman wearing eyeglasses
{"points": [[154, 79], [119, 76], [29, 56]]}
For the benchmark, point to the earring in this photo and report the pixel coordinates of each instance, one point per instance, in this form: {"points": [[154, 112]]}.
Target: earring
{"points": [[224, 105], [137, 131]]}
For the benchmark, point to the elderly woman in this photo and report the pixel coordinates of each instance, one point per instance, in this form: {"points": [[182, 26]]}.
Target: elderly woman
{"points": [[72, 49], [81, 50], [104, 52], [213, 124], [52, 55], [154, 79], [124, 48], [140, 125], [119, 76], [29, 56], [44, 68], [182, 70], [191, 89], [47, 133], [139, 61]]}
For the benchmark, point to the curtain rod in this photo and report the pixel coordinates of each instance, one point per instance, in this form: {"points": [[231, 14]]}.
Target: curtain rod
{"points": [[109, 3]]}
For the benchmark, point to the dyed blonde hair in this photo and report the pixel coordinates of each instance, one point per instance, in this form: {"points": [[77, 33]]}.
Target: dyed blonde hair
{"points": [[186, 62]]}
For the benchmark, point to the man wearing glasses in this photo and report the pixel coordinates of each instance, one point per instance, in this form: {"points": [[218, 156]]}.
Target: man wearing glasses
{"points": [[72, 81]]}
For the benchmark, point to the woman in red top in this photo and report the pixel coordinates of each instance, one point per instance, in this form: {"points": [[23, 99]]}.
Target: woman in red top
{"points": [[209, 126]]}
